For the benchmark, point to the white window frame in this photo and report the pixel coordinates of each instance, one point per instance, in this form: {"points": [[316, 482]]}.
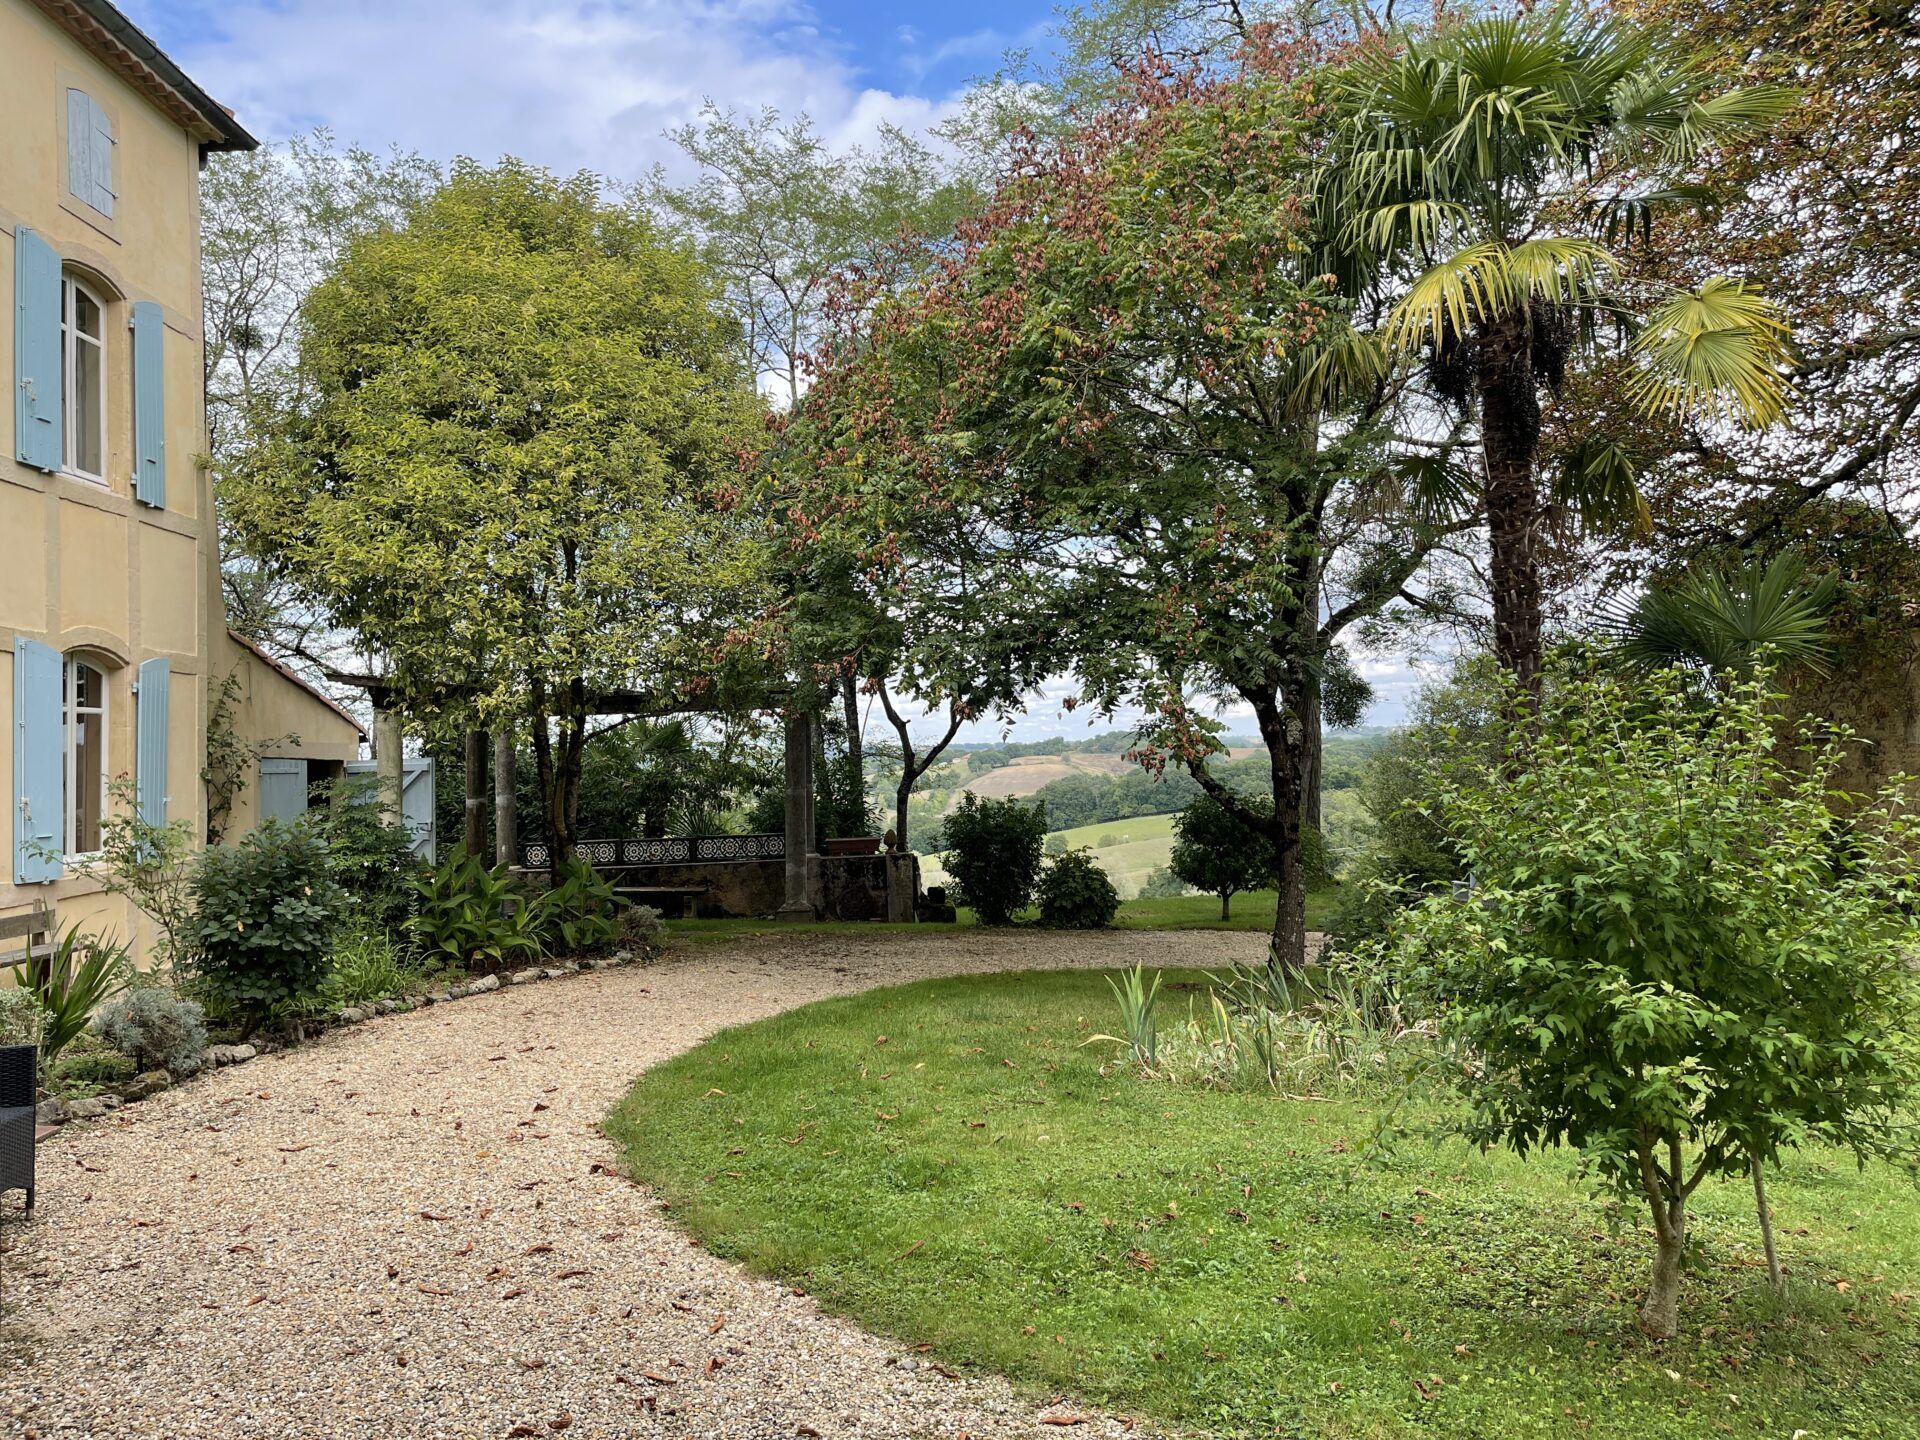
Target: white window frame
{"points": [[70, 711], [71, 339]]}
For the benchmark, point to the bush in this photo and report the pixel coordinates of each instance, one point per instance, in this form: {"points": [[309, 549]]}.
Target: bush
{"points": [[266, 912], [367, 966], [1162, 884], [156, 1029], [993, 854], [371, 860], [641, 927], [1076, 894], [580, 915], [472, 916], [19, 1016], [94, 1071]]}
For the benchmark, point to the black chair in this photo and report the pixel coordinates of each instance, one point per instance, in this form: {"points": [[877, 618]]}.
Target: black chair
{"points": [[17, 1086]]}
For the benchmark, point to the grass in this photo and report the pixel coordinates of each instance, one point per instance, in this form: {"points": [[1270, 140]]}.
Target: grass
{"points": [[1253, 911], [947, 1163]]}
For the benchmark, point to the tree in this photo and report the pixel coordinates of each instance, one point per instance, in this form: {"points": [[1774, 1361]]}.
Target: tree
{"points": [[273, 222], [1677, 957], [1486, 168], [504, 465], [1128, 375], [1215, 851], [778, 215], [994, 850]]}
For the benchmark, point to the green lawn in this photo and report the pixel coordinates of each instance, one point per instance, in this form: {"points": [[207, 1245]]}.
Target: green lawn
{"points": [[946, 1163]]}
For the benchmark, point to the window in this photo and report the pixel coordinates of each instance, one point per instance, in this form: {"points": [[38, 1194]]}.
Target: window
{"points": [[90, 145], [83, 369], [84, 723]]}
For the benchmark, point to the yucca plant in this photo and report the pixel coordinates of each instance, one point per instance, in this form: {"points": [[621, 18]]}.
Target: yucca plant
{"points": [[1137, 997], [1495, 171], [73, 978]]}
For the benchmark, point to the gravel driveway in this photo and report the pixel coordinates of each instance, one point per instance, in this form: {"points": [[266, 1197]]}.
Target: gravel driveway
{"points": [[409, 1228]]}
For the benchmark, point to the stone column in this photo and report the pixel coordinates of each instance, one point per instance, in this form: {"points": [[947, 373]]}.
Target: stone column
{"points": [[389, 755], [802, 867], [506, 830], [475, 836]]}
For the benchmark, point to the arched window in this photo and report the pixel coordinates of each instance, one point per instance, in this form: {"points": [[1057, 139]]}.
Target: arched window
{"points": [[84, 717], [83, 371]]}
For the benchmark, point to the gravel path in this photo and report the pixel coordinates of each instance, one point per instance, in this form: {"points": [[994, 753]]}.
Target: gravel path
{"points": [[409, 1228]]}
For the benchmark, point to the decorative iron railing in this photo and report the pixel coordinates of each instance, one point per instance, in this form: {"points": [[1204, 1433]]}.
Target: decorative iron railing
{"points": [[663, 850]]}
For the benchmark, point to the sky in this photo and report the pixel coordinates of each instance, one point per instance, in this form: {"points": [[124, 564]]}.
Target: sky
{"points": [[595, 84]]}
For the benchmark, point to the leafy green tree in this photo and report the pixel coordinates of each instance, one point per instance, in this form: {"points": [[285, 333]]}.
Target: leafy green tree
{"points": [[1496, 175], [1216, 851], [1076, 893], [503, 468], [994, 853], [1677, 957], [1130, 378]]}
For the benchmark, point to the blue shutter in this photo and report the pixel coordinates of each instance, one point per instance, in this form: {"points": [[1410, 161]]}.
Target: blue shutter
{"points": [[149, 404], [39, 762], [100, 143], [36, 350], [150, 765], [283, 789], [80, 145]]}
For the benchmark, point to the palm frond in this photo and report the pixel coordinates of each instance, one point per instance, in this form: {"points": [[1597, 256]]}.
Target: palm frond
{"points": [[1724, 345], [1485, 281], [1597, 483], [1727, 620]]}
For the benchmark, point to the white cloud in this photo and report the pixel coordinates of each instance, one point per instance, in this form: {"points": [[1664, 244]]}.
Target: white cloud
{"points": [[570, 84]]}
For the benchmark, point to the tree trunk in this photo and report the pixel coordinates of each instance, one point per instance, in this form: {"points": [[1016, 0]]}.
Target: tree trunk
{"points": [[1290, 877], [1660, 1311], [901, 794], [1774, 1276], [506, 815], [1225, 898], [1509, 439], [474, 831], [856, 754], [1312, 749]]}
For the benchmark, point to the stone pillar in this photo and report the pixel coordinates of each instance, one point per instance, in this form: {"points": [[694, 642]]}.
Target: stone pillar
{"points": [[903, 886], [802, 865], [389, 755], [475, 834], [506, 830]]}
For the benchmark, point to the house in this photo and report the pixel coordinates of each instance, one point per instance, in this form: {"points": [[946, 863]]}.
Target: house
{"points": [[117, 654]]}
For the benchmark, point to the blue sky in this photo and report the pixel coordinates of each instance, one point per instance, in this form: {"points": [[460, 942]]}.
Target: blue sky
{"points": [[593, 84]]}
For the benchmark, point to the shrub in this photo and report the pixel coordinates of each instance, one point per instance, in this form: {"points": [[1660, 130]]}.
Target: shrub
{"points": [[156, 1029], [1216, 851], [151, 866], [72, 980], [1162, 884], [93, 1071], [1678, 956], [19, 1016], [1076, 894], [472, 916], [641, 927], [367, 966], [993, 853], [371, 860], [580, 915], [266, 913]]}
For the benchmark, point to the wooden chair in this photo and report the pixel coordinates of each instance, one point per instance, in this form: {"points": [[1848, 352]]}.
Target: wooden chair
{"points": [[34, 930]]}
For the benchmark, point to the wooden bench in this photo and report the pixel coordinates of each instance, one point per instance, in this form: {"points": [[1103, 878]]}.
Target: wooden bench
{"points": [[34, 930]]}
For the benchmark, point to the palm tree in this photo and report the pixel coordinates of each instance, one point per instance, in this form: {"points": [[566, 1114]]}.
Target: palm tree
{"points": [[1485, 168], [1728, 620]]}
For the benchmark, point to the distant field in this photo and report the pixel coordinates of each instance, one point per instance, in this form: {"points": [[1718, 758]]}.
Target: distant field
{"points": [[1030, 774]]}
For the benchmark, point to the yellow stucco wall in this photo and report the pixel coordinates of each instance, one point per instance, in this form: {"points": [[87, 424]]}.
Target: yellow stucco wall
{"points": [[81, 564], [279, 718]]}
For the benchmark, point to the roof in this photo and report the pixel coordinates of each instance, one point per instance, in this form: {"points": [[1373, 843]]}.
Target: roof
{"points": [[252, 649], [126, 48]]}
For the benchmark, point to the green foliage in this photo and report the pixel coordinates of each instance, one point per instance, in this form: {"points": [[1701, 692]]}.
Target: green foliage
{"points": [[78, 1072], [372, 861], [1075, 893], [156, 1029], [19, 1016], [1216, 851], [1680, 956], [266, 912], [580, 915], [1137, 996], [153, 866], [72, 979], [472, 916], [1729, 620], [1163, 884], [994, 850], [642, 928], [368, 965]]}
